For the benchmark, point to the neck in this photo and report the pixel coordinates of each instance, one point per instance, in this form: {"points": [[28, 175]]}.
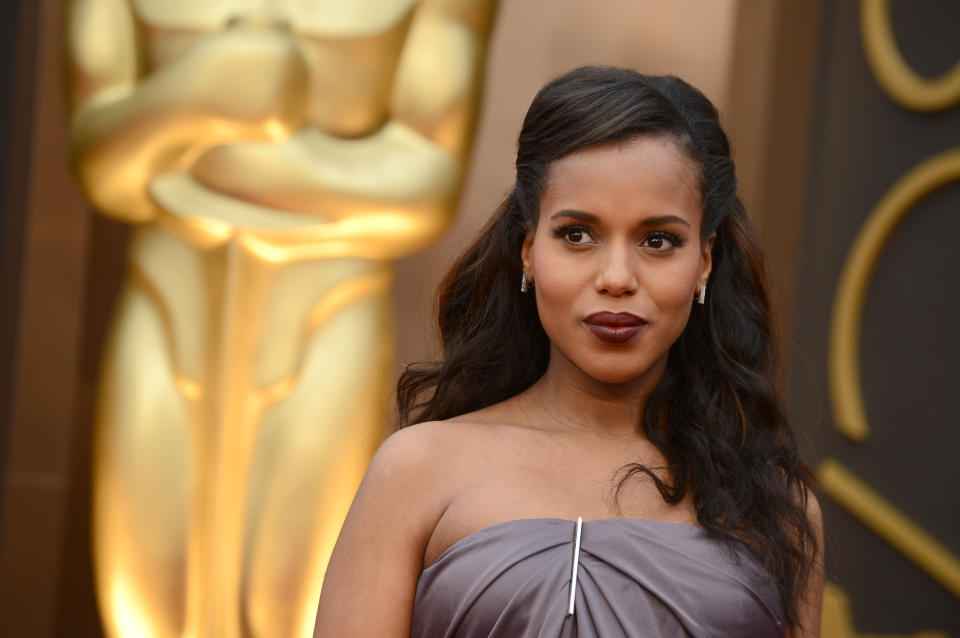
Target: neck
{"points": [[567, 398]]}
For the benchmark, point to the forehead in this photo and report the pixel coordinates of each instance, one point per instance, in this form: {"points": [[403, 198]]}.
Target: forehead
{"points": [[643, 176]]}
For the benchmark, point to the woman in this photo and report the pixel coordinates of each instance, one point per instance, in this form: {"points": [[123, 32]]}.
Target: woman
{"points": [[607, 358]]}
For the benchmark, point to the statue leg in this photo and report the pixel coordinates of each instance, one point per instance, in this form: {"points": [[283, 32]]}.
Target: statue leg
{"points": [[141, 476], [312, 449]]}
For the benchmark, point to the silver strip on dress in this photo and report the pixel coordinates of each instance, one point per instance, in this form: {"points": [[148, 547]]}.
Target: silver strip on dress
{"points": [[576, 563]]}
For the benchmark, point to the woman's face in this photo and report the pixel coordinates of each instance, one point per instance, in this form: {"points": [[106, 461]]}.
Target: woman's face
{"points": [[616, 257]]}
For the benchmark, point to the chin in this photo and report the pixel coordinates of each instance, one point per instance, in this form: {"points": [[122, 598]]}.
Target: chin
{"points": [[614, 374], [623, 367]]}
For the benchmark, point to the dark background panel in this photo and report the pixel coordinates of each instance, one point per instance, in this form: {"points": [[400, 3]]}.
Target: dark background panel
{"points": [[862, 144], [911, 346], [937, 48], [106, 270], [18, 39]]}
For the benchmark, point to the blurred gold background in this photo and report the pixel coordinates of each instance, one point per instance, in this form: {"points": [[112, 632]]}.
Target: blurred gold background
{"points": [[273, 157]]}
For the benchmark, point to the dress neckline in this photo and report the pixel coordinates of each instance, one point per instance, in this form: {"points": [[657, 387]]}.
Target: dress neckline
{"points": [[686, 527]]}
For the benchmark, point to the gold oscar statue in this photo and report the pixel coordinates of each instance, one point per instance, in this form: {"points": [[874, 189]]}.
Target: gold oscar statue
{"points": [[274, 156]]}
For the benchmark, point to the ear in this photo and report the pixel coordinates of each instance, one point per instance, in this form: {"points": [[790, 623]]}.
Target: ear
{"points": [[526, 254], [706, 259]]}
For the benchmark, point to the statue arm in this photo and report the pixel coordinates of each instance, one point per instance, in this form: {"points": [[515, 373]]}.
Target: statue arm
{"points": [[438, 81], [127, 127], [408, 171], [102, 49]]}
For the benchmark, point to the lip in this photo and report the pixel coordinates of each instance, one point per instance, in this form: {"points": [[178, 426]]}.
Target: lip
{"points": [[614, 327]]}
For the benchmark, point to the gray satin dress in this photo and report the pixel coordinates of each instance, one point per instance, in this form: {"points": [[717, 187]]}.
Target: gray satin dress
{"points": [[634, 577]]}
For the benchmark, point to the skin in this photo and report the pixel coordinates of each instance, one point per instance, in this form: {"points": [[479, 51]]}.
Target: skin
{"points": [[619, 230]]}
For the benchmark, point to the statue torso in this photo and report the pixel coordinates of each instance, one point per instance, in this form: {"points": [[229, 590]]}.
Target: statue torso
{"points": [[352, 48]]}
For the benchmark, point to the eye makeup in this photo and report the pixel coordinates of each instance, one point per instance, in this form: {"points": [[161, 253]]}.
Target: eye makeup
{"points": [[573, 233], [655, 239], [578, 234]]}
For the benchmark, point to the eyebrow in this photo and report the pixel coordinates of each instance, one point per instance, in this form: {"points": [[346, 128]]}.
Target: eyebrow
{"points": [[658, 220]]}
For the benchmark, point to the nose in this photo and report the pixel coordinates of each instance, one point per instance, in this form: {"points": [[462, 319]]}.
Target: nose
{"points": [[618, 272]]}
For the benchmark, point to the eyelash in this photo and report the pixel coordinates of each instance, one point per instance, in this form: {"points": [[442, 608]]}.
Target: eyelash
{"points": [[563, 232], [675, 241]]}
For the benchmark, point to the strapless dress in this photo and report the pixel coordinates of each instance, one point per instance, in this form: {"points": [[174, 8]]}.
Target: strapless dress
{"points": [[618, 577]]}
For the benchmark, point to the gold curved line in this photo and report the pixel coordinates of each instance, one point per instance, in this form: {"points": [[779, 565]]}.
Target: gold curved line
{"points": [[846, 396], [188, 388], [898, 80], [332, 302], [890, 524]]}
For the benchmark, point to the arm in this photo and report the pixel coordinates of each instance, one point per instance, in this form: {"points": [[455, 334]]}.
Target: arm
{"points": [[247, 82], [812, 599], [371, 580]]}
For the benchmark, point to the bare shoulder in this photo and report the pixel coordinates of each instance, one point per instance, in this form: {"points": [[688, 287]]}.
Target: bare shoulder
{"points": [[434, 460], [811, 599], [807, 499], [409, 451], [407, 468], [419, 450], [414, 474], [424, 465], [813, 509], [369, 586], [814, 513]]}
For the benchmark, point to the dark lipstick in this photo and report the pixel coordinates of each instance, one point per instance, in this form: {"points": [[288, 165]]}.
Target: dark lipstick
{"points": [[614, 327]]}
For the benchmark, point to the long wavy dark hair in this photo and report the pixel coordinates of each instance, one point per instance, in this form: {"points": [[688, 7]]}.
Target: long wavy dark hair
{"points": [[716, 415]]}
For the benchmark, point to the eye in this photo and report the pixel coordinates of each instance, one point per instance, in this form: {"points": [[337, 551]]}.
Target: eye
{"points": [[661, 241], [574, 234]]}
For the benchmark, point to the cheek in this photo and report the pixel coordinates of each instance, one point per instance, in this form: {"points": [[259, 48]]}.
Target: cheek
{"points": [[673, 291], [554, 284], [558, 285]]}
